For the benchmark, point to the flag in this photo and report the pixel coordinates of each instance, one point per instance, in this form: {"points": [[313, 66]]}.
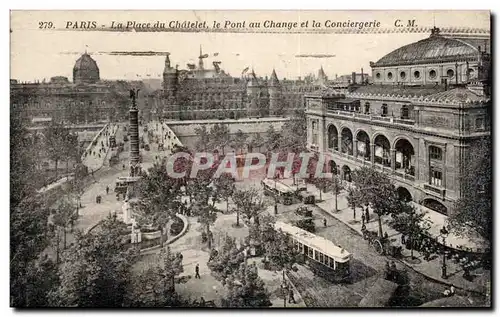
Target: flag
{"points": [[191, 66], [204, 56], [245, 70], [216, 54]]}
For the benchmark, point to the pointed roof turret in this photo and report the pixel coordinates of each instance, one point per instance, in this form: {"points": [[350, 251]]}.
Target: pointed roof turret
{"points": [[253, 79], [274, 79], [168, 67], [321, 74]]}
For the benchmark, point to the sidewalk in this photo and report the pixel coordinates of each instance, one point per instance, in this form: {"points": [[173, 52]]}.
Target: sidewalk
{"points": [[95, 160], [431, 269]]}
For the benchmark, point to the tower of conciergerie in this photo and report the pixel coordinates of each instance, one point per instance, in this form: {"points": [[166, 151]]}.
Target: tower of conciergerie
{"points": [[201, 92], [428, 106]]}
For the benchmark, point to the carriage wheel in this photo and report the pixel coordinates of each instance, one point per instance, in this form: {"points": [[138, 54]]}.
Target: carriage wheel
{"points": [[378, 247]]}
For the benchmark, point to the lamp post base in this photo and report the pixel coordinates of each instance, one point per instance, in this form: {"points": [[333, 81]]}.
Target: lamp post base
{"points": [[443, 273]]}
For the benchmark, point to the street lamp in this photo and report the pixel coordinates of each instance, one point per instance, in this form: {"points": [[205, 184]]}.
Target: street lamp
{"points": [[284, 290], [275, 198], [444, 233]]}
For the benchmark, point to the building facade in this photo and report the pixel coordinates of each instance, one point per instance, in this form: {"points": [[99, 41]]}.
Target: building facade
{"points": [[210, 93], [86, 100], [427, 107]]}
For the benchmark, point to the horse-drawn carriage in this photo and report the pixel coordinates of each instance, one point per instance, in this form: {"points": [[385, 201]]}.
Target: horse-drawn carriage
{"points": [[381, 244]]}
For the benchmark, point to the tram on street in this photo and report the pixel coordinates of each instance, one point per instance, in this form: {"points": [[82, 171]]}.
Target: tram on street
{"points": [[122, 183], [321, 255], [283, 193]]}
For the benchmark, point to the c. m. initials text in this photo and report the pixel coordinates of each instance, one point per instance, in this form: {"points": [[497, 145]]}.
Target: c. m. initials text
{"points": [[410, 24]]}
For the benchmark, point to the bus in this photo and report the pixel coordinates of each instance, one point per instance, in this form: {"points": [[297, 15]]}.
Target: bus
{"points": [[280, 191], [122, 184], [321, 255]]}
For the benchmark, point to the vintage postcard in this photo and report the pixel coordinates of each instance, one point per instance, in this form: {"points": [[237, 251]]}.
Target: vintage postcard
{"points": [[250, 159]]}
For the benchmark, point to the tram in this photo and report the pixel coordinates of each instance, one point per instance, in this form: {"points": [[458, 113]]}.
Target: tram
{"points": [[323, 257], [280, 191]]}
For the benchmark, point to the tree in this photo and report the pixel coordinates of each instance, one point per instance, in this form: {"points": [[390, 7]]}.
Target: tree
{"points": [[159, 199], [225, 188], [155, 285], [203, 138], [250, 203], [56, 141], [281, 252], [273, 139], [226, 260], [256, 142], [219, 134], [411, 222], [70, 149], [96, 268], [353, 200], [23, 158], [42, 279], [322, 184], [335, 185], [239, 140], [294, 132], [376, 190], [28, 238], [62, 217], [473, 210], [245, 289]]}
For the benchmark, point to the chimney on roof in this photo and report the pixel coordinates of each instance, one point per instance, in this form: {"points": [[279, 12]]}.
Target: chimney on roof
{"points": [[353, 80], [362, 76]]}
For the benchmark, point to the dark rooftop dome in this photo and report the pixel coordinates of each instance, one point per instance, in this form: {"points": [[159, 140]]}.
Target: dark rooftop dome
{"points": [[432, 49], [85, 70]]}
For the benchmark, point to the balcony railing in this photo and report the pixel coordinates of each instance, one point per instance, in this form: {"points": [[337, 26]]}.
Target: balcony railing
{"points": [[439, 191], [370, 117]]}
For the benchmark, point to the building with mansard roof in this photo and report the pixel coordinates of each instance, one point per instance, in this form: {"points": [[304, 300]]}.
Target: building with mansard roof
{"points": [[85, 100], [427, 107], [201, 92]]}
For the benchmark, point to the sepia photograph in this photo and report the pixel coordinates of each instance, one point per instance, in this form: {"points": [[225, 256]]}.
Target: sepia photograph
{"points": [[251, 159]]}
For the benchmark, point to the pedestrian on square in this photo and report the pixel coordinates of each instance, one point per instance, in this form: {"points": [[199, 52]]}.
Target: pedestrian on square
{"points": [[363, 219], [386, 236], [403, 239], [197, 271], [107, 190], [367, 215], [324, 222]]}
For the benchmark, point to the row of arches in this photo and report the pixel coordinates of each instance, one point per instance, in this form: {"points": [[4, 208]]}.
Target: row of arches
{"points": [[404, 194], [377, 149]]}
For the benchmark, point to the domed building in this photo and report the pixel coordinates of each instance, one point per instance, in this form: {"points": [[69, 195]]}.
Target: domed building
{"points": [[85, 70], [436, 59], [87, 100], [427, 107]]}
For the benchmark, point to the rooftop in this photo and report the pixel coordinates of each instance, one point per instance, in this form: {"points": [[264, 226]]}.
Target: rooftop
{"points": [[432, 49], [324, 245]]}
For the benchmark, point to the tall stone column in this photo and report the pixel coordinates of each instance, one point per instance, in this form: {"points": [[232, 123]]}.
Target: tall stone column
{"points": [[321, 134], [372, 154], [134, 135], [393, 159], [340, 142], [355, 149]]}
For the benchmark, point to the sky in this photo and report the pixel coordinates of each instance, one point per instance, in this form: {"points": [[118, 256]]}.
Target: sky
{"points": [[38, 54]]}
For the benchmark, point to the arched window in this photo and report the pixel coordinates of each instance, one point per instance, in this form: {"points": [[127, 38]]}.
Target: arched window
{"points": [[405, 112], [384, 110], [367, 107]]}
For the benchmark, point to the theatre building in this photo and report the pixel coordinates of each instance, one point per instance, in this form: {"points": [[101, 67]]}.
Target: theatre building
{"points": [[428, 105]]}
